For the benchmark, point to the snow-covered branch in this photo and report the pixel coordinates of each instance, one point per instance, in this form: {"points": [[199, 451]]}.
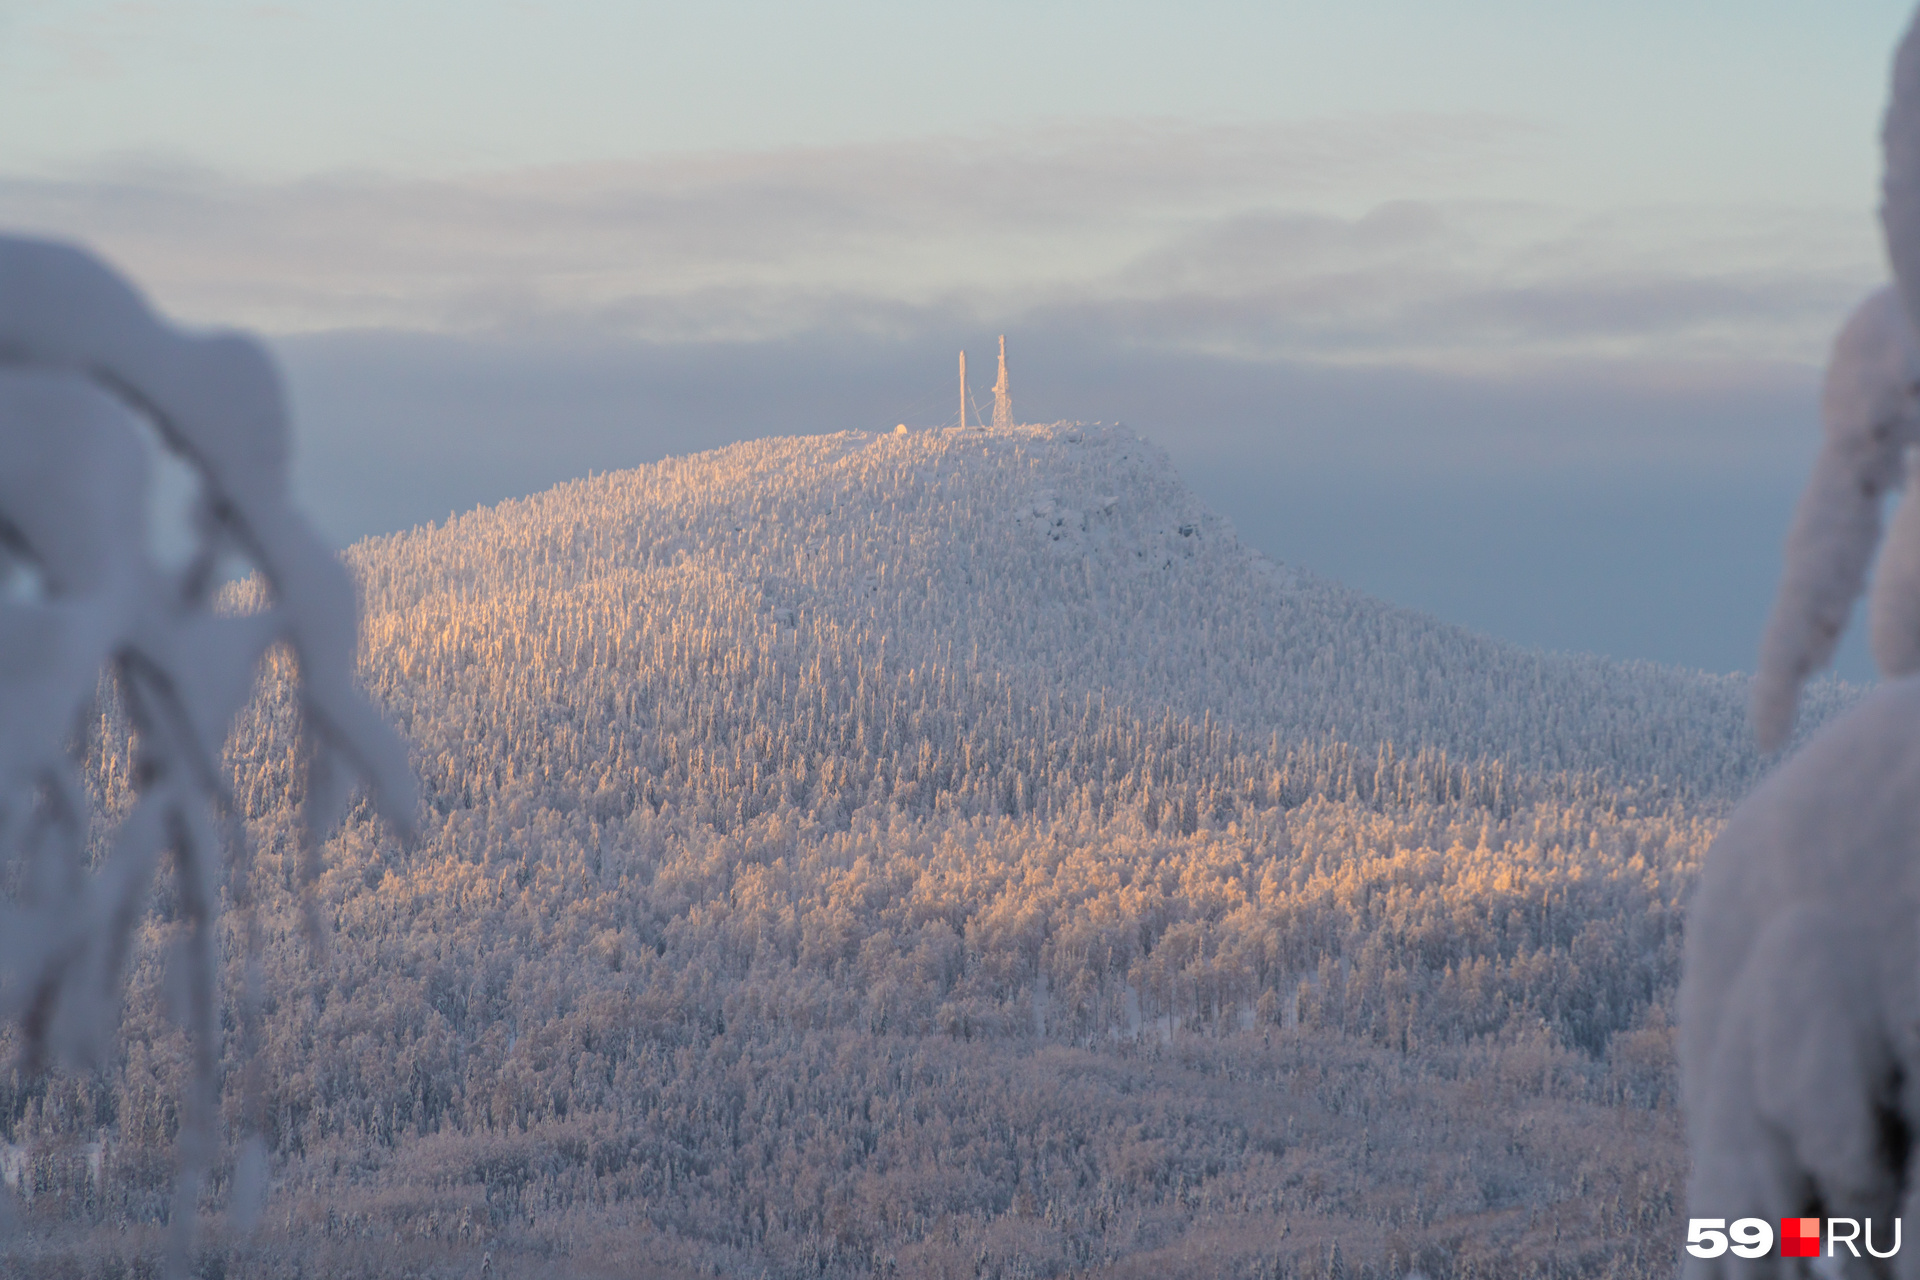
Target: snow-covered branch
{"points": [[1801, 985], [86, 371]]}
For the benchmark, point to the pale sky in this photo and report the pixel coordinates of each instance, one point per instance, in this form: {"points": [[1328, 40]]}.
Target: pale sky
{"points": [[1642, 101], [1383, 277]]}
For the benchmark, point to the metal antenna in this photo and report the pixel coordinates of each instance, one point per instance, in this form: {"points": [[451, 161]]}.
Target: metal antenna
{"points": [[1002, 401]]}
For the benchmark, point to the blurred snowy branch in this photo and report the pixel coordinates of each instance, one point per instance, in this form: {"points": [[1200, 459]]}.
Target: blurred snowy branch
{"points": [[85, 370], [1800, 997]]}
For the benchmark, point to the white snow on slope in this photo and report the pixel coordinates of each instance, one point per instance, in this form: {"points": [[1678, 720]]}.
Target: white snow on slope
{"points": [[1063, 562]]}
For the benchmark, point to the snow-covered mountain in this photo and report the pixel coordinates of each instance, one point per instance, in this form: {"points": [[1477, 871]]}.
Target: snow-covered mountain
{"points": [[853, 851], [904, 593]]}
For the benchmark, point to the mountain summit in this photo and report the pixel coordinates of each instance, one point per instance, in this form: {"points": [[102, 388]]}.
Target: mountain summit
{"points": [[901, 579]]}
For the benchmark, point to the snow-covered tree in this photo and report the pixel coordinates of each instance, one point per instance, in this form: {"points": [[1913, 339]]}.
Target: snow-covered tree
{"points": [[1800, 999], [90, 381]]}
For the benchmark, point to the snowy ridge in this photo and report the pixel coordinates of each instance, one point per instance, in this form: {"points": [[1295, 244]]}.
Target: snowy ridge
{"points": [[1061, 565]]}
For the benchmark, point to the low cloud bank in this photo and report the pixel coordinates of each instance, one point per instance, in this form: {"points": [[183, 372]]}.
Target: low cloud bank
{"points": [[1347, 241]]}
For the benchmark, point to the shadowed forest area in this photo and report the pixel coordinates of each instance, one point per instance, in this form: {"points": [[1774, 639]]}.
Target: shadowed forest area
{"points": [[768, 920]]}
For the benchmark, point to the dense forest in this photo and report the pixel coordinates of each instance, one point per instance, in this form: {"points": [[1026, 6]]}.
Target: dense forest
{"points": [[781, 594], [940, 854]]}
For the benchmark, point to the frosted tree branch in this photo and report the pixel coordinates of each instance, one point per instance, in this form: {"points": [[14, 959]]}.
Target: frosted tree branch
{"points": [[1869, 415], [1800, 992], [82, 361]]}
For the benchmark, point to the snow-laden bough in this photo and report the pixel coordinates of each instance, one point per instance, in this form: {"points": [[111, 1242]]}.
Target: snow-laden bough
{"points": [[1871, 418], [87, 369], [1800, 995]]}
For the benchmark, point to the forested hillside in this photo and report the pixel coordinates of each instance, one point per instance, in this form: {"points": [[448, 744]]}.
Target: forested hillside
{"points": [[939, 854], [909, 584]]}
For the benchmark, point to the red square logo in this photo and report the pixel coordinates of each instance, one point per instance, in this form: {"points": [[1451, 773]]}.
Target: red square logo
{"points": [[1799, 1237]]}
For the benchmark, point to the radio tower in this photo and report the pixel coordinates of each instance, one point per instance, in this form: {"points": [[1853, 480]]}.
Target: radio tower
{"points": [[963, 391], [1002, 402]]}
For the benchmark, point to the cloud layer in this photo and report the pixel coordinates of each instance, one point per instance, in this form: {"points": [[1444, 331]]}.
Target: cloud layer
{"points": [[1262, 242]]}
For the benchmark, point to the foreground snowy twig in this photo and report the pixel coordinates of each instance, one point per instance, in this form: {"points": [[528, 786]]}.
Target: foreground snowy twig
{"points": [[1800, 999], [85, 368]]}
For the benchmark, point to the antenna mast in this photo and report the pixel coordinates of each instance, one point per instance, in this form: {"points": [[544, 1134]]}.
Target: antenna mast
{"points": [[963, 390], [1002, 401]]}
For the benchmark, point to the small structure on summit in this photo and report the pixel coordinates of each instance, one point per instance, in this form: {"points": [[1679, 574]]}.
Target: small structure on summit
{"points": [[1002, 402]]}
